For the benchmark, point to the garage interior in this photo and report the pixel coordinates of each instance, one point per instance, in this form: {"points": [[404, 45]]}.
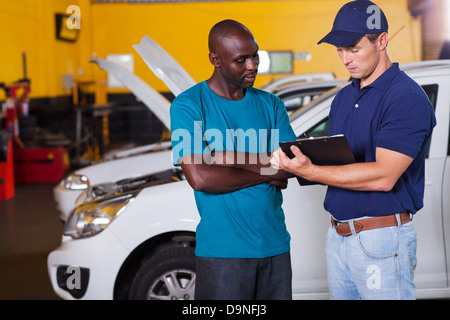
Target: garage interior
{"points": [[68, 113]]}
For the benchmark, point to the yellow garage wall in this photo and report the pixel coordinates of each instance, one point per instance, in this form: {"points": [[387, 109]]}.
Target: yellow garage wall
{"points": [[182, 29], [29, 26]]}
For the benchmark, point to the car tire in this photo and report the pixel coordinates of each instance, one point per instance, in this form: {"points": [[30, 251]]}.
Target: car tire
{"points": [[167, 275]]}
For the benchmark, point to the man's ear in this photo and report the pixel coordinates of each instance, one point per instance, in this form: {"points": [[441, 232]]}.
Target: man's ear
{"points": [[214, 59], [383, 40]]}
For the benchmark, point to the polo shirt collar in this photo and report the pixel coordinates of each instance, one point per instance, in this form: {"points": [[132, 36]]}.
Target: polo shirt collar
{"points": [[383, 81]]}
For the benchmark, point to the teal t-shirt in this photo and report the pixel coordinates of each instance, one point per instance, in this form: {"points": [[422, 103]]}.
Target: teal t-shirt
{"points": [[248, 223]]}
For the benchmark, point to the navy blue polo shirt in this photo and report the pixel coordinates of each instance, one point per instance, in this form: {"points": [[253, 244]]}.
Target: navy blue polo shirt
{"points": [[392, 113]]}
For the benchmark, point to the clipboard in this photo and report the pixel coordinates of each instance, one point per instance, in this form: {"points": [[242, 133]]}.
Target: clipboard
{"points": [[323, 151]]}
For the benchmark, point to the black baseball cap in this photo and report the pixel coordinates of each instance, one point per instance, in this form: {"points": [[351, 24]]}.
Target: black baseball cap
{"points": [[354, 20]]}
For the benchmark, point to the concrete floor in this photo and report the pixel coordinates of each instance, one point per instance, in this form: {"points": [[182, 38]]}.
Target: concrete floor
{"points": [[29, 229]]}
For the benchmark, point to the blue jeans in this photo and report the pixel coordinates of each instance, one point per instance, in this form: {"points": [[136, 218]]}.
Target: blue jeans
{"points": [[244, 278], [372, 264]]}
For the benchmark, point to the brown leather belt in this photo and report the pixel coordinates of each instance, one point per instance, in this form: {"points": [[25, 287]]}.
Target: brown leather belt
{"points": [[343, 228]]}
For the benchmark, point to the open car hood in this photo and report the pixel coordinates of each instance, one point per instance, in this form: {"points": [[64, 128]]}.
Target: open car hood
{"points": [[155, 101], [164, 66]]}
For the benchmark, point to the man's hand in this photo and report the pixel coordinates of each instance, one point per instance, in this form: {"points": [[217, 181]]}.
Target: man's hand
{"points": [[256, 163], [379, 175], [299, 165], [206, 177]]}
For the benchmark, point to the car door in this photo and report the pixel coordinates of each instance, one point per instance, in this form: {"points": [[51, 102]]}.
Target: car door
{"points": [[430, 222], [446, 199]]}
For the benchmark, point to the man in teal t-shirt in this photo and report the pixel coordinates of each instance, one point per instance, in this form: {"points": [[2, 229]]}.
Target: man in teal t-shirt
{"points": [[223, 132]]}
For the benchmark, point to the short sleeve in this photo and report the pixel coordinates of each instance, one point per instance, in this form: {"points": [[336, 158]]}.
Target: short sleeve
{"points": [[406, 125], [186, 128]]}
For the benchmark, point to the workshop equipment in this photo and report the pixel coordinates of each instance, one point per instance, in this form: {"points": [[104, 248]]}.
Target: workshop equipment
{"points": [[6, 167], [17, 101], [31, 165], [40, 165]]}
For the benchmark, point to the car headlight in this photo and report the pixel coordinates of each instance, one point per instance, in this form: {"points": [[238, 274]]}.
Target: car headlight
{"points": [[91, 218], [92, 193], [76, 182]]}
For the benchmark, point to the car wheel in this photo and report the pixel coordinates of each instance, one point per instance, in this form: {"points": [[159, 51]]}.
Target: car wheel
{"points": [[168, 275]]}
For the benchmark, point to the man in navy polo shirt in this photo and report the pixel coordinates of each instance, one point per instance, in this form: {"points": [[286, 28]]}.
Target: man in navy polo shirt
{"points": [[388, 120]]}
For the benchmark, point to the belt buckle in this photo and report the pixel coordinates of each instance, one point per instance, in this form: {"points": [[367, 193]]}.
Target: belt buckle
{"points": [[337, 222], [356, 226]]}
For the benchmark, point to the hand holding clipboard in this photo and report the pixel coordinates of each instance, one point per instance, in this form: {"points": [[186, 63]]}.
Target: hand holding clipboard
{"points": [[322, 151]]}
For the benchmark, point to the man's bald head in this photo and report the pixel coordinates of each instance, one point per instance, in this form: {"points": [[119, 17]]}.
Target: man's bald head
{"points": [[225, 29], [234, 55]]}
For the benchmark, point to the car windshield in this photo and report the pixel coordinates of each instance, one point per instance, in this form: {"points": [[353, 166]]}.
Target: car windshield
{"points": [[324, 96]]}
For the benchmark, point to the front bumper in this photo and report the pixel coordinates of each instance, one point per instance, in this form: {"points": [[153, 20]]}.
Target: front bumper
{"points": [[86, 268]]}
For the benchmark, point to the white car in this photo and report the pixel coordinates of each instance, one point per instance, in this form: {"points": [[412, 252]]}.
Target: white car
{"points": [[277, 84], [136, 239]]}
